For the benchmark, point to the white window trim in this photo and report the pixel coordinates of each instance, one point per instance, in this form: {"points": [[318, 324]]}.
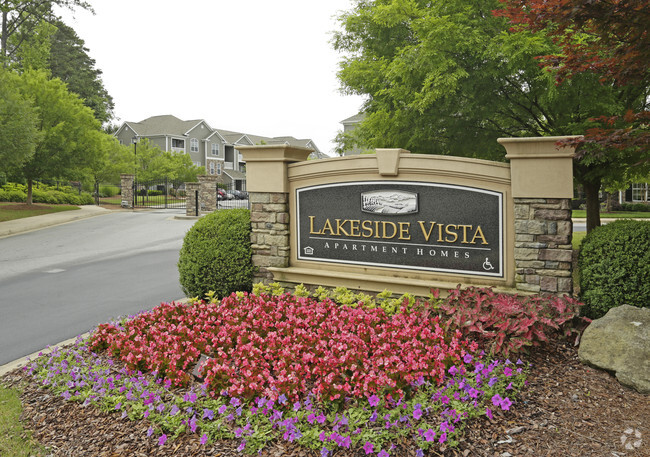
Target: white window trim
{"points": [[194, 142]]}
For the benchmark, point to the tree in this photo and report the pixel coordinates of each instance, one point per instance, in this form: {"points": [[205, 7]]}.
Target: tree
{"points": [[450, 77], [69, 61], [18, 124], [19, 18], [154, 163], [611, 39], [67, 130]]}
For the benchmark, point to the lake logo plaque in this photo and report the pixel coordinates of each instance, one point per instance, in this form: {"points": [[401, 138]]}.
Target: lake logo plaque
{"points": [[389, 202], [407, 225]]}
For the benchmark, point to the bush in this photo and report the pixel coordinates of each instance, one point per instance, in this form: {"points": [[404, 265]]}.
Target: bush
{"points": [[503, 324], [636, 207], [216, 255], [614, 265]]}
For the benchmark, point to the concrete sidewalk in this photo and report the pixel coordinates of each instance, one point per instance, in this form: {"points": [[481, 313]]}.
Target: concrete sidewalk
{"points": [[28, 224]]}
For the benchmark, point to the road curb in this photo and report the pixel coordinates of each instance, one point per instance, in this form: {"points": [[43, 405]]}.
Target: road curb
{"points": [[21, 362], [30, 224]]}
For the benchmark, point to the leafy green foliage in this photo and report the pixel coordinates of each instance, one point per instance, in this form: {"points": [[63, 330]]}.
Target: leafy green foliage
{"points": [[216, 255], [68, 130], [614, 266], [449, 77], [12, 192], [154, 163], [385, 300], [18, 124]]}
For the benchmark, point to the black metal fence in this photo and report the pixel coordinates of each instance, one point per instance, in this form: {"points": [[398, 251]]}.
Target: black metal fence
{"points": [[107, 194], [161, 193], [228, 197]]}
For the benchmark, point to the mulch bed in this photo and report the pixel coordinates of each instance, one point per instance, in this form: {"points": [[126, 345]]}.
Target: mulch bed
{"points": [[568, 409]]}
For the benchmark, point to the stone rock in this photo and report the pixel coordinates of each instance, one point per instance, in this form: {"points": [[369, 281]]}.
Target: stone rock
{"points": [[620, 342]]}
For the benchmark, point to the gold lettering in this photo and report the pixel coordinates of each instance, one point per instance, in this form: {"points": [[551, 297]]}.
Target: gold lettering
{"points": [[311, 226], [366, 226], [404, 230], [339, 227], [328, 226], [392, 224], [479, 234], [454, 235], [440, 226], [426, 234], [354, 227], [465, 227]]}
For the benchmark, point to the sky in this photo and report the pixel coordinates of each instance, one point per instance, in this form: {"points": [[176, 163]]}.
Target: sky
{"points": [[253, 66]]}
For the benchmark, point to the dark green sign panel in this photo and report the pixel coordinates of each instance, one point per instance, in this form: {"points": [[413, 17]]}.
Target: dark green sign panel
{"points": [[409, 225]]}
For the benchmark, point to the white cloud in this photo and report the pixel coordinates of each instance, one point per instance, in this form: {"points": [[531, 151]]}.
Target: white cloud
{"points": [[256, 66]]}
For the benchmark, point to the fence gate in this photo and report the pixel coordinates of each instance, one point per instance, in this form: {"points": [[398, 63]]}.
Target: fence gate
{"points": [[160, 193]]}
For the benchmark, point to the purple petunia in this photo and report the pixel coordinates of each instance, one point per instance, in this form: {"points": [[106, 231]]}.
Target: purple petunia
{"points": [[204, 438], [368, 447], [373, 400], [382, 453], [208, 414], [429, 435], [162, 440]]}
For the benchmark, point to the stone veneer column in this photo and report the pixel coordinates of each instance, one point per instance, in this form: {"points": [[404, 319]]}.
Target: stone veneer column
{"points": [[208, 193], [267, 183], [543, 250], [542, 188], [269, 232], [191, 189], [126, 186]]}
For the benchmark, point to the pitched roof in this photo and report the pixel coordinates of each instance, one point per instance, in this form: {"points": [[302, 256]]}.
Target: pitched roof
{"points": [[357, 118], [163, 125], [171, 125]]}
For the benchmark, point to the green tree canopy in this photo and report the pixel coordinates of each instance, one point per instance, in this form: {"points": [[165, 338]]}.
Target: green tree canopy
{"points": [[154, 163], [69, 61], [67, 130], [18, 124], [19, 18], [450, 77]]}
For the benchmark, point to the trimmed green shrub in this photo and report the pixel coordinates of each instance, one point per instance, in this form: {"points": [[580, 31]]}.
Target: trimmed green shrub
{"points": [[636, 207], [216, 255], [614, 266]]}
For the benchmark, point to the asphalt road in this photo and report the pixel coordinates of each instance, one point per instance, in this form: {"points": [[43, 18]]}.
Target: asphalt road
{"points": [[62, 281]]}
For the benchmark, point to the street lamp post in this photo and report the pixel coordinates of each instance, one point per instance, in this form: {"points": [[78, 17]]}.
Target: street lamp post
{"points": [[134, 140]]}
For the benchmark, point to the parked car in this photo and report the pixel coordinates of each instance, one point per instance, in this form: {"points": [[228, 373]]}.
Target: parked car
{"points": [[221, 194], [240, 194], [230, 195]]}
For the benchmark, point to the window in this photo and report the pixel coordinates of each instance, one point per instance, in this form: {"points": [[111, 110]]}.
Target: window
{"points": [[638, 191], [178, 144], [218, 168], [215, 149], [211, 167], [194, 145]]}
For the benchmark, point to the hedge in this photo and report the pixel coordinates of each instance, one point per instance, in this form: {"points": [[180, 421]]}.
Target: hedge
{"points": [[614, 266]]}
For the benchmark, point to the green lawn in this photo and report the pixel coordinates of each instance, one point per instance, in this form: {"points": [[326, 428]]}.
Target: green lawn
{"points": [[14, 440], [582, 214], [11, 211]]}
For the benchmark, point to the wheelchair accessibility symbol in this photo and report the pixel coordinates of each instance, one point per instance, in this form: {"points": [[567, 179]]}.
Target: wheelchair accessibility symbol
{"points": [[487, 266]]}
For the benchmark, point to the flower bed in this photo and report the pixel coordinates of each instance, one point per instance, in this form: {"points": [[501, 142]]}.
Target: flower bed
{"points": [[290, 368], [286, 345]]}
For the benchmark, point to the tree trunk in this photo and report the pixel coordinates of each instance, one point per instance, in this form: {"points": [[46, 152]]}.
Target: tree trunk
{"points": [[29, 191], [593, 204]]}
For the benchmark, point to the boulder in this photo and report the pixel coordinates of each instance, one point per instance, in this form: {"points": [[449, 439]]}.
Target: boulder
{"points": [[619, 342]]}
